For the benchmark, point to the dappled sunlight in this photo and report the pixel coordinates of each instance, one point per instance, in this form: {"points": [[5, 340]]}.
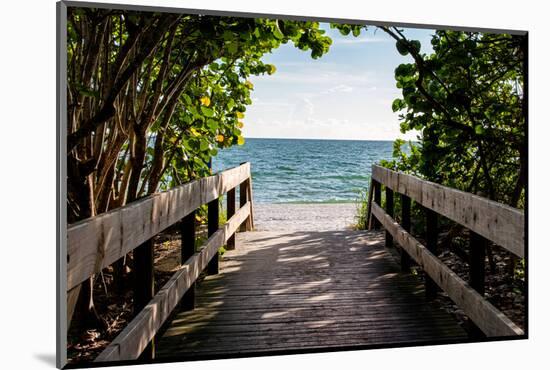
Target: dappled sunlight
{"points": [[377, 255], [320, 298], [387, 276], [279, 314], [309, 285], [310, 257], [306, 289]]}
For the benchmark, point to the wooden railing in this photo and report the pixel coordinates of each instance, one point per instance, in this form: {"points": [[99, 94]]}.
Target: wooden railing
{"points": [[486, 220], [98, 242]]}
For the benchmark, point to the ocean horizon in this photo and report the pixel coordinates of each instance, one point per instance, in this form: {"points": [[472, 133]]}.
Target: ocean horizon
{"points": [[302, 171]]}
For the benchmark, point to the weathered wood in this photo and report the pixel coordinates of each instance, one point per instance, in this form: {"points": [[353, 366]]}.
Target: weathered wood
{"points": [[369, 205], [230, 213], [131, 342], [289, 291], [488, 318], [96, 243], [213, 226], [144, 285], [406, 224], [476, 262], [389, 210], [247, 186], [431, 234], [250, 220], [243, 199], [377, 200], [188, 235], [144, 288], [497, 222]]}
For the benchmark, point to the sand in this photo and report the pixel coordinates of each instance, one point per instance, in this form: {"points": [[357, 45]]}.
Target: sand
{"points": [[304, 217]]}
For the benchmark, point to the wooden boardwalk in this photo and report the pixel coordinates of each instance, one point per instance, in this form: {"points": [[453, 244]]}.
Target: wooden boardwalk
{"points": [[287, 290], [292, 291]]}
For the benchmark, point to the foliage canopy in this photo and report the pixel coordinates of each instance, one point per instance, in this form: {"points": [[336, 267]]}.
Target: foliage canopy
{"points": [[152, 96], [466, 99]]}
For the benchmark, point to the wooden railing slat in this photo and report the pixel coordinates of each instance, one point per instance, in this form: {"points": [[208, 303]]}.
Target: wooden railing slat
{"points": [[129, 344], [497, 222], [487, 317]]}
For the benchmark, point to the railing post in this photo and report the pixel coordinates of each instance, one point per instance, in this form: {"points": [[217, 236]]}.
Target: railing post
{"points": [[389, 211], [187, 230], [250, 218], [478, 245], [144, 285], [243, 198], [431, 244], [406, 224], [230, 213], [377, 200], [213, 225]]}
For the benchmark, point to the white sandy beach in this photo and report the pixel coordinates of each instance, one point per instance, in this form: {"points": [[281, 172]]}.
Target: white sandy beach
{"points": [[304, 217]]}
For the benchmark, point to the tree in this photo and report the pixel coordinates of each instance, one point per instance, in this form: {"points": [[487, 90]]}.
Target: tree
{"points": [[467, 101], [152, 96]]}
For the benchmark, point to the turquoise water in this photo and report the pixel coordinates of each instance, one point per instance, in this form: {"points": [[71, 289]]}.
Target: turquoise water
{"points": [[306, 171]]}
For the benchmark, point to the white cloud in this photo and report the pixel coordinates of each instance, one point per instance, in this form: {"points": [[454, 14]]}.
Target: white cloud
{"points": [[338, 89], [315, 76]]}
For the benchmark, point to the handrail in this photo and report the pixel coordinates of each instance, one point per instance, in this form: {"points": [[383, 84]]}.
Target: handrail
{"points": [[497, 222], [97, 242], [133, 340], [482, 216]]}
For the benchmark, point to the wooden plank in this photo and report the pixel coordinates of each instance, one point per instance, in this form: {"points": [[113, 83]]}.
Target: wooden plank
{"points": [[143, 271], [243, 198], [95, 243], [389, 210], [129, 344], [497, 222], [378, 200], [188, 235], [478, 244], [144, 285], [213, 226], [369, 201], [487, 317], [306, 290], [230, 213], [406, 223], [431, 244], [251, 200]]}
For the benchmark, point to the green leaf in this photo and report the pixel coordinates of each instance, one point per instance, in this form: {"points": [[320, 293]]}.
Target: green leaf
{"points": [[232, 47], [416, 45], [186, 98], [212, 124], [204, 145], [277, 32], [402, 47], [397, 105], [208, 112], [230, 104], [271, 69]]}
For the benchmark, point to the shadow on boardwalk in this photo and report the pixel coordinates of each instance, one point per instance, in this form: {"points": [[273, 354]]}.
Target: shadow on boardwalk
{"points": [[304, 291]]}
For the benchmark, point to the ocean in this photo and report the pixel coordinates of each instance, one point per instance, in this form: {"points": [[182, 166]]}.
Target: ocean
{"points": [[306, 171]]}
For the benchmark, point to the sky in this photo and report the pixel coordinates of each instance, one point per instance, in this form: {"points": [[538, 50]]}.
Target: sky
{"points": [[345, 94]]}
